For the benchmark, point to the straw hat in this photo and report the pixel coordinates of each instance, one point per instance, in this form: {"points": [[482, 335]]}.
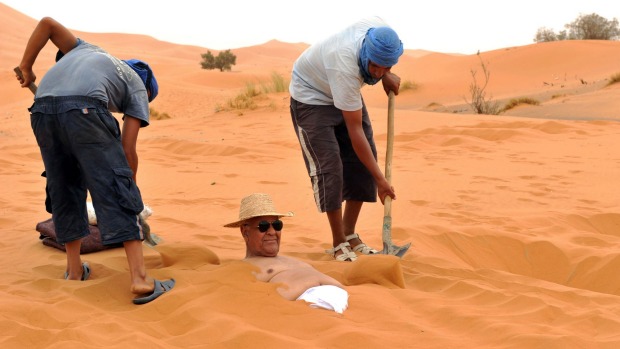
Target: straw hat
{"points": [[256, 205]]}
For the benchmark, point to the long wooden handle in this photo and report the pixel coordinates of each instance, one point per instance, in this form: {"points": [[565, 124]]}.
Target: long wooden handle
{"points": [[32, 86], [390, 149], [387, 202]]}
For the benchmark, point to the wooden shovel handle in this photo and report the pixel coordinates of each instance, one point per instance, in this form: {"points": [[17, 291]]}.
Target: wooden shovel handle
{"points": [[32, 86], [388, 154]]}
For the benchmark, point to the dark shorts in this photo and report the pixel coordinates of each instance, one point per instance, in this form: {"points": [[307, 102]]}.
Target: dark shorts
{"points": [[335, 171], [81, 149]]}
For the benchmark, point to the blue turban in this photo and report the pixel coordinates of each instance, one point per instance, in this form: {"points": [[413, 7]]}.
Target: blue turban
{"points": [[146, 74], [381, 46]]}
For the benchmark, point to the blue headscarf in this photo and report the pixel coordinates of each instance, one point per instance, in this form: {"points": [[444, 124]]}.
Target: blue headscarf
{"points": [[381, 46], [146, 74]]}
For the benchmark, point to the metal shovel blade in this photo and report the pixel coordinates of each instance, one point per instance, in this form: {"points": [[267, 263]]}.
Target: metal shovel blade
{"points": [[388, 246]]}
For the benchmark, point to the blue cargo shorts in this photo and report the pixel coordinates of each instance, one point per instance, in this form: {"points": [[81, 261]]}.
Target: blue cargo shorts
{"points": [[80, 143]]}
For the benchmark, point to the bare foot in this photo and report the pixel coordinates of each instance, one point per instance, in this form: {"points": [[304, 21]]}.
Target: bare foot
{"points": [[142, 287]]}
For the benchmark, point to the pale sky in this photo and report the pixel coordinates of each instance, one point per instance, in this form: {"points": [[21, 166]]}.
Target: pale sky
{"points": [[448, 26]]}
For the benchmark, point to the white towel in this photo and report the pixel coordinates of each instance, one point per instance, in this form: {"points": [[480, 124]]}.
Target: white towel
{"points": [[327, 297]]}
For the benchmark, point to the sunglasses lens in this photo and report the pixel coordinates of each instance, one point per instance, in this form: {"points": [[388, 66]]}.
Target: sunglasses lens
{"points": [[263, 226]]}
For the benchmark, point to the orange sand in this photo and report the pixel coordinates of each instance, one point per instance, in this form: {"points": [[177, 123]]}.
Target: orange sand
{"points": [[514, 219]]}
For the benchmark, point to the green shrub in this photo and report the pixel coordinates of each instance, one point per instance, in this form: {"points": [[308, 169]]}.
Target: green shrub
{"points": [[224, 60]]}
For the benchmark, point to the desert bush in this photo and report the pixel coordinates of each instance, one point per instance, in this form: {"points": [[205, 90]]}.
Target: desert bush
{"points": [[277, 84], [585, 27], [224, 60], [157, 115], [544, 34], [408, 85], [518, 101], [245, 99], [479, 102], [241, 101], [614, 79]]}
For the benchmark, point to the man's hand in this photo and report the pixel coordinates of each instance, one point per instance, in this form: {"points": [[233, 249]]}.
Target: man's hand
{"points": [[26, 79], [385, 189], [391, 82]]}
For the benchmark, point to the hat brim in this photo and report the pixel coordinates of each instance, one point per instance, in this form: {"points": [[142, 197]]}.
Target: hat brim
{"points": [[239, 222]]}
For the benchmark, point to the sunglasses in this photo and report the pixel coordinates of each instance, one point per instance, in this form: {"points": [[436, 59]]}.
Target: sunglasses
{"points": [[263, 226]]}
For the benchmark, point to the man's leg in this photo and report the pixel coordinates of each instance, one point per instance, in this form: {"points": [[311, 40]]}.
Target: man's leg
{"points": [[337, 227], [140, 283], [351, 213], [74, 262]]}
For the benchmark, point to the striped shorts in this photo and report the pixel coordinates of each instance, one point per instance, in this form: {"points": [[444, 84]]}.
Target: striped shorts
{"points": [[335, 171]]}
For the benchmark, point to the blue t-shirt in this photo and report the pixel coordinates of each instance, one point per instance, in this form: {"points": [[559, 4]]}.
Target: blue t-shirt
{"points": [[87, 70]]}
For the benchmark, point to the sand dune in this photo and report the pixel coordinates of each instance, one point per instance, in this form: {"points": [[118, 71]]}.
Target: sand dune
{"points": [[514, 219]]}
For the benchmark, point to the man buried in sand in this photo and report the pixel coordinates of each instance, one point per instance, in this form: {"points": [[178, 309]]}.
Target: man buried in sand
{"points": [[261, 228]]}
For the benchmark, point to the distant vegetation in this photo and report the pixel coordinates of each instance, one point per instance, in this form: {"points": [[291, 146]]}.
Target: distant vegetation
{"points": [[224, 60], [278, 84], [518, 101], [157, 115], [614, 79], [408, 85], [247, 98], [585, 27], [480, 102]]}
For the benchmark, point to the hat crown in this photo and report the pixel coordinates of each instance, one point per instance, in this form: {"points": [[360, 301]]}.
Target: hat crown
{"points": [[257, 205]]}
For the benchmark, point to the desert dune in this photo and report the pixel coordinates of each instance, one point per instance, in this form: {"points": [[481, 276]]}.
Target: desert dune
{"points": [[514, 219]]}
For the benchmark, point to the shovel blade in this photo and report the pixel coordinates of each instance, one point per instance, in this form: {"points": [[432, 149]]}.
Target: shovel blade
{"points": [[394, 250]]}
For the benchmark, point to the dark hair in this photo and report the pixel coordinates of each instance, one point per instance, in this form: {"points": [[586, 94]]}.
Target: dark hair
{"points": [[59, 55]]}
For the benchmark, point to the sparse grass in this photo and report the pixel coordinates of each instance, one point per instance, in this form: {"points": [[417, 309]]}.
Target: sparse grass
{"points": [[614, 79], [558, 96], [408, 85], [518, 101], [246, 99], [279, 84], [158, 116]]}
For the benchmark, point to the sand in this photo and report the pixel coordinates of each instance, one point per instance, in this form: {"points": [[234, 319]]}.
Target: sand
{"points": [[514, 219]]}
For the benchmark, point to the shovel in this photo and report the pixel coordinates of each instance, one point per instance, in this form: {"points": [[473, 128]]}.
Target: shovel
{"points": [[388, 246]]}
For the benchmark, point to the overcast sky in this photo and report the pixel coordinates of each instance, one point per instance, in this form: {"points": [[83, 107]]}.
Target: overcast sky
{"points": [[449, 26]]}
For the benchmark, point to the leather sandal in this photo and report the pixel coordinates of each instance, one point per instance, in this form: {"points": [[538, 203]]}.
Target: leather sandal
{"points": [[361, 247], [346, 256]]}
